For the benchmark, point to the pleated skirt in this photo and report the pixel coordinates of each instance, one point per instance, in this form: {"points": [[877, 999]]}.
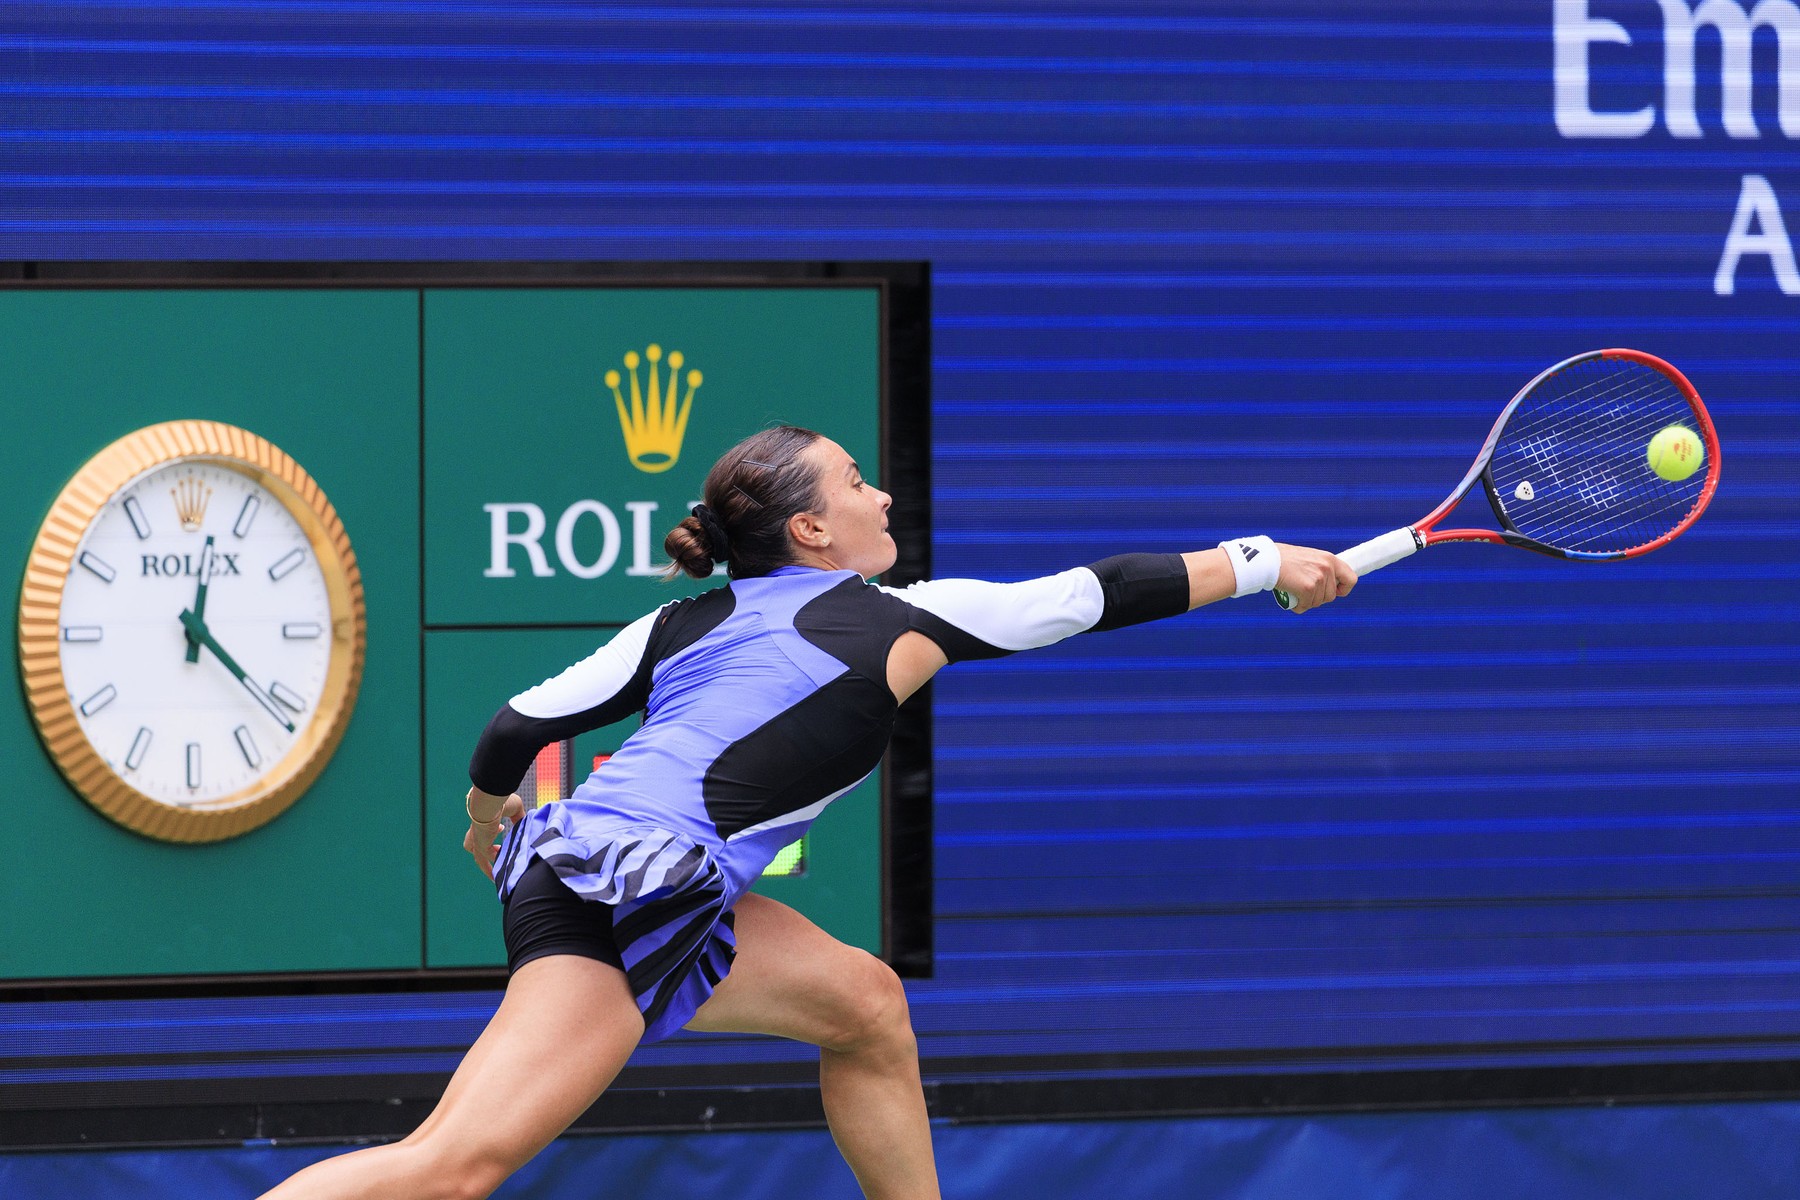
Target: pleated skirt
{"points": [[671, 920]]}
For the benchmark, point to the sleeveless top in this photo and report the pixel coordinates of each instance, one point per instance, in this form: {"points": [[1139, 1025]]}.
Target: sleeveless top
{"points": [[763, 702]]}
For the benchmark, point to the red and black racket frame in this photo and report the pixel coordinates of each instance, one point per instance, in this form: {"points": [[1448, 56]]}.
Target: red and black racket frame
{"points": [[1425, 535]]}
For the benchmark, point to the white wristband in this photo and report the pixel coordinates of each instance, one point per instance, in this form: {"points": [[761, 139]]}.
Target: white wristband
{"points": [[1255, 561]]}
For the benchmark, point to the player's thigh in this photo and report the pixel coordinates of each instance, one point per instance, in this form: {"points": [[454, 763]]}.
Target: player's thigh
{"points": [[565, 1027], [793, 980]]}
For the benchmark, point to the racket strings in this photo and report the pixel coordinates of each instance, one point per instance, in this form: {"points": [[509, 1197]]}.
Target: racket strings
{"points": [[1591, 439], [1571, 468], [1588, 437]]}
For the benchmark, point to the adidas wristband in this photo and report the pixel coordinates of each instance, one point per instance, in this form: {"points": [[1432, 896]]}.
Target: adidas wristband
{"points": [[1255, 561]]}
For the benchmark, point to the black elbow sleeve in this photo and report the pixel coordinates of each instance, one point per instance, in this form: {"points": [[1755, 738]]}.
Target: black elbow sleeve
{"points": [[505, 750], [1141, 587]]}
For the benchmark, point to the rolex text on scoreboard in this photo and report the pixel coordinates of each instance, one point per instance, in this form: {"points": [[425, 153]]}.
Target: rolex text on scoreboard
{"points": [[653, 424], [568, 430]]}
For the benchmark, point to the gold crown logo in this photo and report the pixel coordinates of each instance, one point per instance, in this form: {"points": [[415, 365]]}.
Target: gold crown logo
{"points": [[191, 497], [653, 423]]}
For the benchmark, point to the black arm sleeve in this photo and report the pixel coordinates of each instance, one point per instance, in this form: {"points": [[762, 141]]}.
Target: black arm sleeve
{"points": [[1140, 587]]}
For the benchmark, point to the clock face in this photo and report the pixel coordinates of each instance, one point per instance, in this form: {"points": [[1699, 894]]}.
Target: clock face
{"points": [[183, 728], [192, 650]]}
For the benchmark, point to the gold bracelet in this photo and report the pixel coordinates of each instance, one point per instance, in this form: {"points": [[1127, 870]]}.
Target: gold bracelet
{"points": [[475, 820]]}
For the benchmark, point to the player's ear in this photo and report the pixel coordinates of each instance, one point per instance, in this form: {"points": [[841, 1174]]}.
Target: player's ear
{"points": [[807, 532]]}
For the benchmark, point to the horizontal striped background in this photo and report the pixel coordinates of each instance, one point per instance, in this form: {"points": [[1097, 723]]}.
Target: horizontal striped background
{"points": [[1198, 272]]}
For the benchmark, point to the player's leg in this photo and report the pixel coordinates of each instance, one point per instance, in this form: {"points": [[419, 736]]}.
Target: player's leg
{"points": [[794, 980], [564, 1028]]}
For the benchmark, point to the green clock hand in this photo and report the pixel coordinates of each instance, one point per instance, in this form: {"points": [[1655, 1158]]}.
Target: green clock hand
{"points": [[205, 573], [201, 635]]}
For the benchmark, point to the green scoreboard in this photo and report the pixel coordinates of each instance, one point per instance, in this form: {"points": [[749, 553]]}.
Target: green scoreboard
{"points": [[496, 454]]}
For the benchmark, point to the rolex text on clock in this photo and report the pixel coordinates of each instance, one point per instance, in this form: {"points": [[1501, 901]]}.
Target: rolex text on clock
{"points": [[191, 631]]}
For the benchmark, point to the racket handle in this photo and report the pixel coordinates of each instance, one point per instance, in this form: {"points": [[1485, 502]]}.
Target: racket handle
{"points": [[1372, 555]]}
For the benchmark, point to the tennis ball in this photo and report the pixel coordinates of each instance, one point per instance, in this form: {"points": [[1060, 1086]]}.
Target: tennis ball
{"points": [[1676, 452]]}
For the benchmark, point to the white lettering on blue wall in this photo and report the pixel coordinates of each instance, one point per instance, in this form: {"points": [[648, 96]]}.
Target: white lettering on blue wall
{"points": [[1757, 229], [1576, 31]]}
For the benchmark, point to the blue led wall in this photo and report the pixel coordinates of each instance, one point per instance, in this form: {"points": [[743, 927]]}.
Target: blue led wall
{"points": [[1199, 271]]}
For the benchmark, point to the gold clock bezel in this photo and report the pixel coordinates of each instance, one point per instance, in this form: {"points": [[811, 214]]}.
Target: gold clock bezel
{"points": [[53, 553]]}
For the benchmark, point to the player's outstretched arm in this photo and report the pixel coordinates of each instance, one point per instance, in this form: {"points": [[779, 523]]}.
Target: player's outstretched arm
{"points": [[954, 620], [971, 618]]}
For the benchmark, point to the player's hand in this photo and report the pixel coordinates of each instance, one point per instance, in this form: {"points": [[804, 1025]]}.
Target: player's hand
{"points": [[482, 838], [1313, 577]]}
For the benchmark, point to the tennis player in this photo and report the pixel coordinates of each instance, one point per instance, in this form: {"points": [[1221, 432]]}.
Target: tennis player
{"points": [[627, 909]]}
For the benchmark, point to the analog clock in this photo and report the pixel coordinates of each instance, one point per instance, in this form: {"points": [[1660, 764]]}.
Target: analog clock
{"points": [[191, 631]]}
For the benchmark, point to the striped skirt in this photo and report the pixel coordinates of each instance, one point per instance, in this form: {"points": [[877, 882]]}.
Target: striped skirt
{"points": [[668, 901]]}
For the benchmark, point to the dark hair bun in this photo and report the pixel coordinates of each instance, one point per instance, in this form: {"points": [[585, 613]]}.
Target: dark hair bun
{"points": [[687, 546], [718, 542]]}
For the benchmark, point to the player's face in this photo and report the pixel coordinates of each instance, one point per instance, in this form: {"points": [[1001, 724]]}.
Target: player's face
{"points": [[854, 513]]}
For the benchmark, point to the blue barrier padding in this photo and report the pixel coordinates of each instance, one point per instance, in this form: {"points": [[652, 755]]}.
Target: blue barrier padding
{"points": [[1653, 1152]]}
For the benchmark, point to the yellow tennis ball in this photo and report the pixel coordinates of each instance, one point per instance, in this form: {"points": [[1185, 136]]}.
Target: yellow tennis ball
{"points": [[1676, 452]]}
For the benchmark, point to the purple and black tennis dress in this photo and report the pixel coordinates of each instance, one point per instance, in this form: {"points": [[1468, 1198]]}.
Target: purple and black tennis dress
{"points": [[764, 701]]}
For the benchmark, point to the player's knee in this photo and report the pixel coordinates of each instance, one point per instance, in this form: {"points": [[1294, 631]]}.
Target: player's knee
{"points": [[459, 1171], [872, 1009], [483, 1175], [475, 1177]]}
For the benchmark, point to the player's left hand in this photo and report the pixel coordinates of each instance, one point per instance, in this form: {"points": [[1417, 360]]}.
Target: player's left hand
{"points": [[482, 839]]}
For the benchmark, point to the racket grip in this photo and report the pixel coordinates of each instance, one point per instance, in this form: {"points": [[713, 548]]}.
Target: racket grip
{"points": [[1372, 555]]}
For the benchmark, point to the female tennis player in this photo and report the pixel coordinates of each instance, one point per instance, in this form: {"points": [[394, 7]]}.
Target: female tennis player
{"points": [[627, 910]]}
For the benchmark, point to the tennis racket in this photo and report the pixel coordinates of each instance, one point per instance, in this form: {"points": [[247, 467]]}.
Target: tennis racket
{"points": [[1567, 467]]}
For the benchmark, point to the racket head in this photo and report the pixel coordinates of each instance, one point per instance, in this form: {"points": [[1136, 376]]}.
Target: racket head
{"points": [[1567, 465]]}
